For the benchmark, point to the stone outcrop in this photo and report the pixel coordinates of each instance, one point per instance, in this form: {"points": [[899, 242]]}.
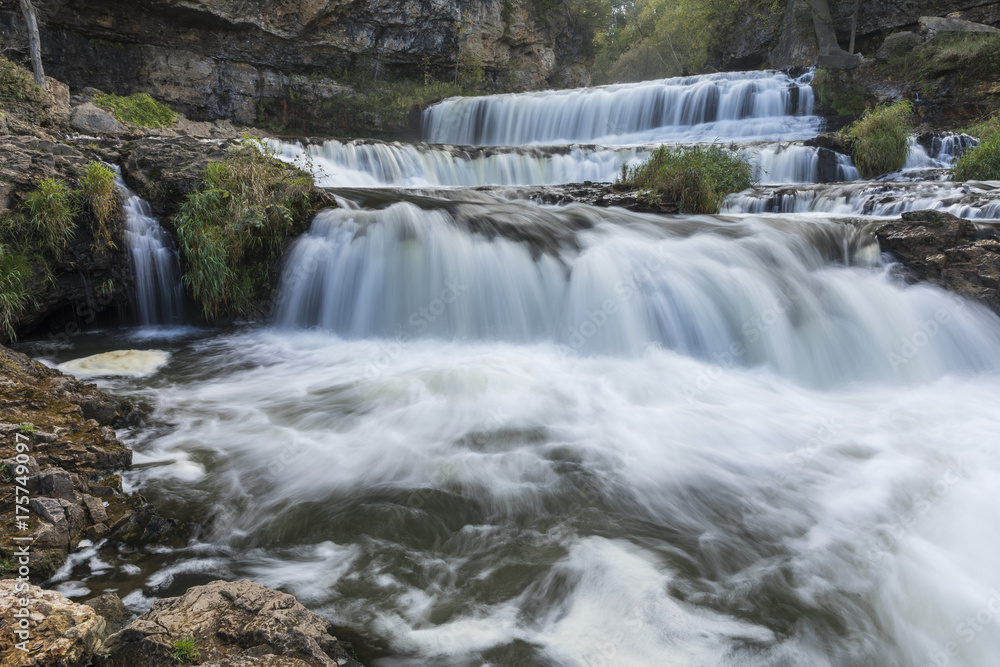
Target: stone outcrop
{"points": [[233, 624], [215, 59], [787, 39], [948, 251], [67, 466], [59, 633]]}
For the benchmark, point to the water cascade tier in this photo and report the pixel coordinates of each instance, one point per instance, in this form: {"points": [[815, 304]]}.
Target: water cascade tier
{"points": [[158, 291], [730, 106]]}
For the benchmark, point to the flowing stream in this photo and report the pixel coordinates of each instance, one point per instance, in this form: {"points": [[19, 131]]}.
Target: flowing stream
{"points": [[486, 431]]}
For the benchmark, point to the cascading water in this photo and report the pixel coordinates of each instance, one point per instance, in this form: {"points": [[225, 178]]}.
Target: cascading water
{"points": [[730, 106], [492, 432], [158, 291]]}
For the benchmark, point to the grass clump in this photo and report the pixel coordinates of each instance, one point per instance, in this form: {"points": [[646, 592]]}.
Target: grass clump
{"points": [[102, 200], [185, 649], [233, 229], [15, 274], [51, 209], [980, 163], [881, 139], [17, 84], [986, 129], [696, 178], [138, 109]]}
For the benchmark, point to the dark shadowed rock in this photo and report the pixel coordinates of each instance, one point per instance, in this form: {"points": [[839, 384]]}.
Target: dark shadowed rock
{"points": [[898, 44], [238, 624], [948, 251], [111, 608]]}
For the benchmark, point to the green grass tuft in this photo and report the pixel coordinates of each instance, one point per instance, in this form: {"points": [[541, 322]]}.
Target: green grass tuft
{"points": [[981, 163], [986, 129], [51, 209], [881, 139], [696, 178], [138, 109], [185, 649], [15, 274], [232, 231], [102, 200]]}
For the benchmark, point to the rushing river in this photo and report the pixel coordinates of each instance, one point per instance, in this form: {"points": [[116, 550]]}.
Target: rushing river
{"points": [[484, 431]]}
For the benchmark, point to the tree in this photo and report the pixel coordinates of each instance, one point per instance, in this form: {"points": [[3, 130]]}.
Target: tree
{"points": [[34, 44]]}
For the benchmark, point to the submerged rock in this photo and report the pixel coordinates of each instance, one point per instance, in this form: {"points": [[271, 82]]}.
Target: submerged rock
{"points": [[948, 251], [131, 363], [59, 633], [237, 623]]}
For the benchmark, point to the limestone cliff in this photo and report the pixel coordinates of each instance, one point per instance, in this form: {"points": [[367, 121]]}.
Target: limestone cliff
{"points": [[219, 58], [786, 38]]}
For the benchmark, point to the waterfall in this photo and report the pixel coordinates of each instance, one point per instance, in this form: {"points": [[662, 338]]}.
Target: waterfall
{"points": [[374, 164], [729, 106], [623, 282], [158, 291]]}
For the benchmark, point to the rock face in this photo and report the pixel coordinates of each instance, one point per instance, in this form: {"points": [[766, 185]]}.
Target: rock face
{"points": [[63, 454], [948, 251], [760, 37], [233, 624], [60, 633], [219, 58]]}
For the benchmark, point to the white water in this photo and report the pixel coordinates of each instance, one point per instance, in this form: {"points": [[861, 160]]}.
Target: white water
{"points": [[158, 291], [372, 164], [730, 106]]}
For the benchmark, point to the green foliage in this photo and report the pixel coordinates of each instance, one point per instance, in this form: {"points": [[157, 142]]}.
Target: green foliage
{"points": [[696, 178], [185, 649], [232, 230], [15, 274], [17, 84], [27, 428], [881, 139], [51, 210], [650, 39], [102, 200], [138, 109], [986, 129], [960, 60], [981, 163]]}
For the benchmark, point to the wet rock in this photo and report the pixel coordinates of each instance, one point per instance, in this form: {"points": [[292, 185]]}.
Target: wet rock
{"points": [[89, 119], [948, 251], [62, 633], [234, 624], [898, 44], [111, 608]]}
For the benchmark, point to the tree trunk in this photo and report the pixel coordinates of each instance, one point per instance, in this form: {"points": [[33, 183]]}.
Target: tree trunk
{"points": [[34, 45]]}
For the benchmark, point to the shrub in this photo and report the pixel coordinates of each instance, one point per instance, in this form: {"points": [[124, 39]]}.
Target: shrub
{"points": [[981, 163], [185, 649], [233, 229], [986, 129], [102, 200], [51, 211], [696, 178], [15, 273], [139, 109], [881, 139]]}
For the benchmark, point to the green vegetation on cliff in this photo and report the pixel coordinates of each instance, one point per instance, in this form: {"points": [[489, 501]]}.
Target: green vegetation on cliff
{"points": [[981, 163], [138, 109], [233, 229], [696, 178], [880, 139], [17, 85], [101, 199], [51, 212], [15, 274], [960, 60]]}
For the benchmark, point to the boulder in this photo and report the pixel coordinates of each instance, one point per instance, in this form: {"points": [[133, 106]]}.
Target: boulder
{"points": [[233, 624], [111, 608], [897, 44], [947, 251], [936, 24], [60, 633], [89, 119]]}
